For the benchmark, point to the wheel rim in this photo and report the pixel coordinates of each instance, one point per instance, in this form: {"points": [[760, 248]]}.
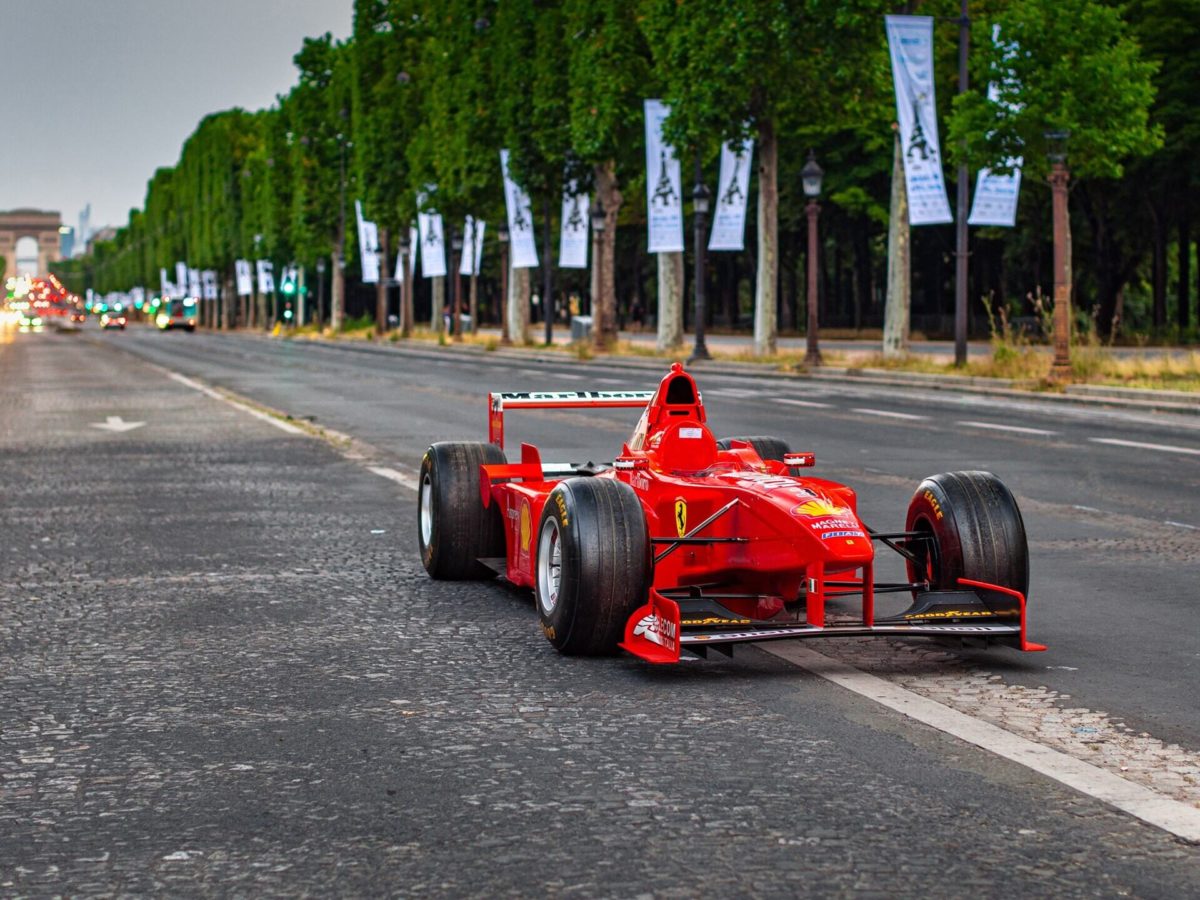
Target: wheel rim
{"points": [[549, 566], [426, 510]]}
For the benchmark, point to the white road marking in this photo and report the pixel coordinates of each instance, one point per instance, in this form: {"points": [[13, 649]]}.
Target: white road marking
{"points": [[887, 413], [732, 392], [1182, 525], [1138, 445], [1085, 508], [116, 424], [809, 404], [1015, 428], [258, 414], [1177, 818], [395, 475]]}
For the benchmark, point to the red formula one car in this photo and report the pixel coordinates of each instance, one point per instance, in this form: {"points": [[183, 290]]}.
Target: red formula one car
{"points": [[687, 543]]}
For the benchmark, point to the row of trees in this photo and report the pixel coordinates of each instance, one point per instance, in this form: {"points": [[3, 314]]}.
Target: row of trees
{"points": [[416, 104]]}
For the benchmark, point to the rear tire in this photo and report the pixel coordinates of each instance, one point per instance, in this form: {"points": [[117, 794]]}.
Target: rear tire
{"points": [[454, 531], [977, 532], [593, 564]]}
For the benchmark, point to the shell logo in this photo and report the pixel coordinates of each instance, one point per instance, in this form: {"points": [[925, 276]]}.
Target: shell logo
{"points": [[818, 507], [526, 527]]}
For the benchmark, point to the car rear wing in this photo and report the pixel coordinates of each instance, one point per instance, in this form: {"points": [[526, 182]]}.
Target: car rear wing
{"points": [[498, 402]]}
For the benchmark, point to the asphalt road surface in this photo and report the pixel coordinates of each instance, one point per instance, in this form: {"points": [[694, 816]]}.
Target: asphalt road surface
{"points": [[224, 671]]}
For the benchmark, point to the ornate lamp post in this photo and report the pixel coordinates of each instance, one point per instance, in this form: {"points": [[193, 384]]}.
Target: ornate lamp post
{"points": [[599, 222], [700, 199], [502, 234], [810, 177], [1060, 177], [320, 293], [456, 245]]}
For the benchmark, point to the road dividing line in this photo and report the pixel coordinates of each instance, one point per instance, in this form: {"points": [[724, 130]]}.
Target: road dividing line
{"points": [[1173, 816], [1165, 448], [395, 475], [888, 414], [217, 395], [808, 404], [1014, 428]]}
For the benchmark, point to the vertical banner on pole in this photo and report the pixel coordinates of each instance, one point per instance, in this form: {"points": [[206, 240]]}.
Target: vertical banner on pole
{"points": [[165, 288], [194, 287], [368, 245], [573, 232], [181, 280], [433, 245], [245, 284], [208, 279], [266, 276], [910, 42], [472, 255], [414, 244], [520, 220], [664, 185], [479, 229], [733, 190], [996, 195]]}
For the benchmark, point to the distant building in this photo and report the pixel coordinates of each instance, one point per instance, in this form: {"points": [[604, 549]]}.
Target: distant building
{"points": [[107, 233], [29, 241], [66, 241]]}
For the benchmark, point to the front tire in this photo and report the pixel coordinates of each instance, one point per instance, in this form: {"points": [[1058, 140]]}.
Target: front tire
{"points": [[976, 530], [454, 531], [593, 564]]}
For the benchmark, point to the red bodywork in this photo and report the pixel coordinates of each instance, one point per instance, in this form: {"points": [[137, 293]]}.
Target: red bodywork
{"points": [[744, 550]]}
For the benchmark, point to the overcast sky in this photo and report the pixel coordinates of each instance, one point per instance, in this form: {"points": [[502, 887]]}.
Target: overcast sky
{"points": [[97, 94]]}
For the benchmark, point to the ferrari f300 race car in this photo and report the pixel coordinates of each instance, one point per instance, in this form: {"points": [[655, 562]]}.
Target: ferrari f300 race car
{"points": [[686, 543]]}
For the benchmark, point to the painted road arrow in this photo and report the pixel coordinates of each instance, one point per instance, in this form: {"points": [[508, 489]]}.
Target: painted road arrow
{"points": [[116, 423]]}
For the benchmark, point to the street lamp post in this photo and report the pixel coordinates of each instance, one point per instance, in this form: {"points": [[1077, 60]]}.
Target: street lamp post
{"points": [[338, 300], [811, 176], [598, 311], [502, 233], [456, 245], [1059, 179], [700, 199], [320, 293], [406, 299]]}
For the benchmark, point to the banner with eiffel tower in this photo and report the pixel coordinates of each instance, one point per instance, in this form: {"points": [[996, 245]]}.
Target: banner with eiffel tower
{"points": [[472, 252], [368, 245], [995, 201], [733, 190], [433, 245], [573, 233], [522, 245], [910, 42], [664, 191]]}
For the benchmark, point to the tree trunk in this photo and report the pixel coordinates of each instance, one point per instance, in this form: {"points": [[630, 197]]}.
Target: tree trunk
{"points": [[1185, 261], [518, 305], [337, 294], [437, 306], [229, 297], [897, 310], [608, 192], [473, 299], [670, 300], [381, 289], [766, 331]]}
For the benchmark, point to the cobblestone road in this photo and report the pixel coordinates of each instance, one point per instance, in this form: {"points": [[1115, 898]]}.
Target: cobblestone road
{"points": [[223, 671]]}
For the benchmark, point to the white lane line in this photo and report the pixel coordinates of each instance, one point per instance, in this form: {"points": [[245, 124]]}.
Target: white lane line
{"points": [[1173, 816], [1085, 508], [1182, 525], [258, 414], [888, 414], [1138, 445], [808, 404], [395, 475], [1015, 428]]}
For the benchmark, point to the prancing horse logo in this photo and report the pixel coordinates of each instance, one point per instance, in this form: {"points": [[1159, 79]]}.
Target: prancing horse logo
{"points": [[681, 516]]}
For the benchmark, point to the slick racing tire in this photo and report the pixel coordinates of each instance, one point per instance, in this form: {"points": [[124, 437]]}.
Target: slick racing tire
{"points": [[454, 531], [593, 564], [976, 529]]}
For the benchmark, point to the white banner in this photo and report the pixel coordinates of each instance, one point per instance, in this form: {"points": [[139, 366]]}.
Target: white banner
{"points": [[733, 195], [245, 285], [368, 246], [181, 279], [193, 283], [266, 276], [165, 288], [137, 296], [472, 252], [573, 232], [910, 41], [520, 221], [664, 191], [208, 281], [995, 201], [414, 250], [433, 245]]}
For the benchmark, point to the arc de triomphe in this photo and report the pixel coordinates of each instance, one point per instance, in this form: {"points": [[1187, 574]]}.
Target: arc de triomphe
{"points": [[41, 225]]}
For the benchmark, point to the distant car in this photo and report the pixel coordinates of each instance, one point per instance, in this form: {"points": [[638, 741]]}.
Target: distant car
{"points": [[177, 313], [30, 321], [78, 316], [112, 319], [689, 544]]}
